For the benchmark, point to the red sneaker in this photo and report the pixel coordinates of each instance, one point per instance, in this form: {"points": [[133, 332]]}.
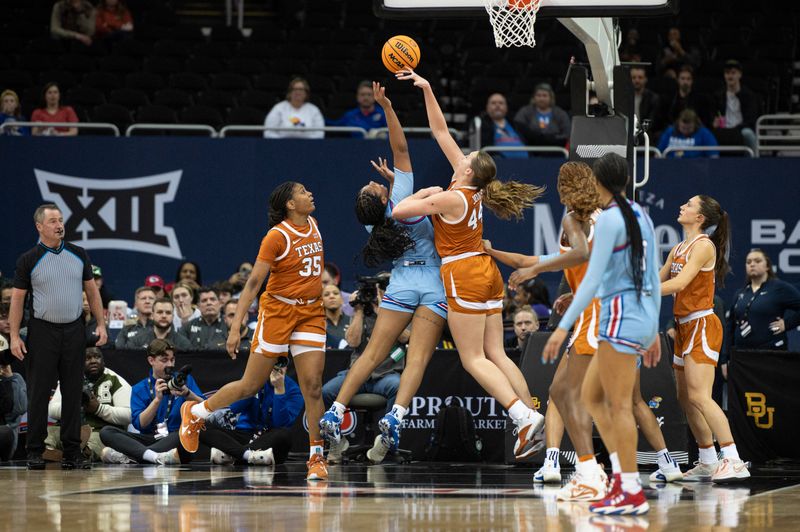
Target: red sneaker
{"points": [[621, 503]]}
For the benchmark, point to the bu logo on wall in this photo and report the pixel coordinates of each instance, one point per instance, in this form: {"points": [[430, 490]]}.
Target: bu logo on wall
{"points": [[124, 214]]}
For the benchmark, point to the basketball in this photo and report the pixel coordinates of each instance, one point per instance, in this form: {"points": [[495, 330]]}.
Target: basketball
{"points": [[400, 52]]}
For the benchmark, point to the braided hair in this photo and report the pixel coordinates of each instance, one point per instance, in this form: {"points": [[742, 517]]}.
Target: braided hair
{"points": [[388, 239], [277, 202], [611, 171]]}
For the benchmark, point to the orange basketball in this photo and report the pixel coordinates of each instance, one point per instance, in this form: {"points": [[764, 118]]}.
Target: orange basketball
{"points": [[400, 52]]}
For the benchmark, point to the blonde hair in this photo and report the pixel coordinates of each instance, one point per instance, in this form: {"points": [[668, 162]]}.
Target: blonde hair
{"points": [[9, 92], [577, 190], [505, 199]]}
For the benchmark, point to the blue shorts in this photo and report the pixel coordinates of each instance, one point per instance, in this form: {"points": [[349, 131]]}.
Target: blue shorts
{"points": [[629, 324], [415, 286]]}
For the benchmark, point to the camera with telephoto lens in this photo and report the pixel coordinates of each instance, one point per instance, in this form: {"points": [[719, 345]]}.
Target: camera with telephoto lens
{"points": [[367, 291], [87, 390], [177, 378]]}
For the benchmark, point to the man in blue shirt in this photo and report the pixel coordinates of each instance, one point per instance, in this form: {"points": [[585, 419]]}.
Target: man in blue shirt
{"points": [[155, 412], [367, 115]]}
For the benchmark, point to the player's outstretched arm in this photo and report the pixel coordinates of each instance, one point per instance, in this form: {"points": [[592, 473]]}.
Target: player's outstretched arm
{"points": [[397, 139]]}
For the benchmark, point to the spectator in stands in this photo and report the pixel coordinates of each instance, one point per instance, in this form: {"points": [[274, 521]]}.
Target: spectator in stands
{"points": [[183, 299], [687, 131], [5, 294], [53, 111], [545, 122], [336, 320], [143, 300], [113, 20], [332, 275], [496, 130], [228, 313], [646, 102], [295, 113], [155, 413], [90, 321], [11, 111], [73, 19], [189, 272], [737, 109], [534, 293], [106, 401], [105, 293], [156, 283], [760, 313], [675, 54], [241, 276], [629, 51], [367, 115], [208, 332], [225, 291], [686, 98], [525, 323], [13, 399], [163, 327]]}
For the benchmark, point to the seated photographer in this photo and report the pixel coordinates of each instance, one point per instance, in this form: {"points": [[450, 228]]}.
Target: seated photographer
{"points": [[155, 412], [386, 377], [256, 430], [208, 332], [13, 395], [106, 401], [525, 323]]}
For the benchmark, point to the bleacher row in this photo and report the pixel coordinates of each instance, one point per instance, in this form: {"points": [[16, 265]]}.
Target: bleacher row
{"points": [[172, 73]]}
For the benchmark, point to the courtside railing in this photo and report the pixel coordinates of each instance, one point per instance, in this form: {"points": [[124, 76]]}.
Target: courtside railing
{"points": [[727, 149], [327, 129], [383, 132], [79, 125], [532, 149], [778, 133], [171, 127]]}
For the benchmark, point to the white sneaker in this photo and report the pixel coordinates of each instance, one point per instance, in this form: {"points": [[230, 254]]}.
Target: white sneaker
{"points": [[378, 451], [168, 458], [526, 431], [265, 457], [547, 474], [336, 450], [112, 456], [700, 472], [729, 470], [666, 474], [583, 489], [220, 458]]}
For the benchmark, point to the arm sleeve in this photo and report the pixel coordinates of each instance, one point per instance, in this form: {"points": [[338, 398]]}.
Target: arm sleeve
{"points": [[548, 257], [663, 142], [607, 232], [272, 246], [22, 274], [139, 401], [119, 411], [273, 120], [286, 407], [20, 396], [72, 117], [54, 406], [403, 185]]}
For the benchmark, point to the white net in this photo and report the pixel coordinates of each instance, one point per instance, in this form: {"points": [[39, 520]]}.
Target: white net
{"points": [[512, 21]]}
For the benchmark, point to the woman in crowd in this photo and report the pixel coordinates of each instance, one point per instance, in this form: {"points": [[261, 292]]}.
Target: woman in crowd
{"points": [[335, 320], [295, 114], [189, 272], [11, 111], [183, 300], [53, 111]]}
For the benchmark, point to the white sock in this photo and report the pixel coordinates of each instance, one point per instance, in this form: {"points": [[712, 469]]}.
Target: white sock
{"points": [[399, 411], [708, 455], [246, 455], [664, 459], [551, 457], [314, 449], [339, 408], [615, 467], [587, 468], [631, 483], [518, 411], [730, 452], [150, 456], [200, 410]]}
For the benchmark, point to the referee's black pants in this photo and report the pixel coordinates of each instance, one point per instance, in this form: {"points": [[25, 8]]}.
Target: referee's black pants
{"points": [[56, 353]]}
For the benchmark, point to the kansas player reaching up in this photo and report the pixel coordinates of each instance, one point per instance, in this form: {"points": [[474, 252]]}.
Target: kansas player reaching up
{"points": [[690, 272], [623, 273], [291, 319], [415, 294], [471, 278]]}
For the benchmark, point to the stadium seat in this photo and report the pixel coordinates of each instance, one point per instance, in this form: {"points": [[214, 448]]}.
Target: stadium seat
{"points": [[77, 63], [176, 99], [204, 65], [66, 80], [118, 63], [156, 114], [188, 81], [201, 114], [170, 48], [163, 65], [257, 99], [230, 81], [146, 81], [217, 99], [217, 50], [245, 116], [35, 62], [246, 65], [85, 97], [113, 114], [129, 98], [104, 81]]}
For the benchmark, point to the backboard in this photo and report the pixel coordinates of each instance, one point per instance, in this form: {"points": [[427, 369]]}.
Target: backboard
{"points": [[549, 8]]}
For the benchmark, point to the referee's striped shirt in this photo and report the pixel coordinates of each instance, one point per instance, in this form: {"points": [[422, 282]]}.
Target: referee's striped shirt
{"points": [[54, 277]]}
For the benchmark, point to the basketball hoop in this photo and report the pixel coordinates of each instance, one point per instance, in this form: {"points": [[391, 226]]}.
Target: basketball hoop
{"points": [[512, 21]]}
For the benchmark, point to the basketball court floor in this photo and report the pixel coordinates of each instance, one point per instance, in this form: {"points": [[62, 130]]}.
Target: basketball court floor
{"points": [[417, 496]]}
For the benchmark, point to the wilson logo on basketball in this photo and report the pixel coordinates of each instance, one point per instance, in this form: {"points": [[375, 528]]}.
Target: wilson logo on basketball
{"points": [[349, 422]]}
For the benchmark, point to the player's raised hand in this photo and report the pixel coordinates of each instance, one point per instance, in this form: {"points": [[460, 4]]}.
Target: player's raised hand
{"points": [[408, 74], [379, 92], [382, 167]]}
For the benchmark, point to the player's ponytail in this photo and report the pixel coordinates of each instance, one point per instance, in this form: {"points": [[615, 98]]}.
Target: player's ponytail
{"points": [[611, 171], [388, 239], [505, 200], [277, 202], [717, 219], [577, 190]]}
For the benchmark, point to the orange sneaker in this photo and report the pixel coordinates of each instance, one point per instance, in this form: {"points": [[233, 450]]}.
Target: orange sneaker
{"points": [[317, 468], [191, 426]]}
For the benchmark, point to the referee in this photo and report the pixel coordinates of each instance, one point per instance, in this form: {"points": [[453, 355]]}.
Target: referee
{"points": [[56, 273]]}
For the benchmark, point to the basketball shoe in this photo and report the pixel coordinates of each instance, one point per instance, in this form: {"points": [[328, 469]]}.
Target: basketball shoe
{"points": [[547, 474], [329, 426], [112, 456], [580, 488], [220, 458], [700, 472], [621, 503], [670, 473], [317, 468], [191, 426], [264, 457], [170, 457], [378, 451], [729, 470], [390, 431], [525, 431]]}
